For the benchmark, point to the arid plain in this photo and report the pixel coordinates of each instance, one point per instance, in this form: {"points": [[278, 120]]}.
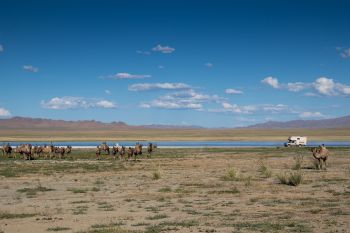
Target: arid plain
{"points": [[178, 190]]}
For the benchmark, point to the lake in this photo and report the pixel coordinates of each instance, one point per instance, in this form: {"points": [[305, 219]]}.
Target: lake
{"points": [[187, 144]]}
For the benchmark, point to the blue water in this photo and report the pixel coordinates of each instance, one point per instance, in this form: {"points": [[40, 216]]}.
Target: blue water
{"points": [[189, 144]]}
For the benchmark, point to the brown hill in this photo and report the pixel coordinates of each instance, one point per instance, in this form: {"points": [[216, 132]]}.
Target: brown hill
{"points": [[39, 123], [340, 122]]}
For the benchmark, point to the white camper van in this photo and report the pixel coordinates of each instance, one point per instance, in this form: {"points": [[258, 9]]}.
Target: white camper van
{"points": [[296, 141]]}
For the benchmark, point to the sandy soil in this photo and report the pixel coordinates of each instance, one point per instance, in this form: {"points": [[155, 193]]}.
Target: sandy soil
{"points": [[201, 191]]}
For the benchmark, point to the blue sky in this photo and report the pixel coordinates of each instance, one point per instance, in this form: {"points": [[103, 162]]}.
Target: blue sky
{"points": [[207, 63]]}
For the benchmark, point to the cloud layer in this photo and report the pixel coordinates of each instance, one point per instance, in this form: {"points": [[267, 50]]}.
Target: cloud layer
{"points": [[158, 86], [344, 52], [250, 109], [30, 68], [186, 99], [129, 76], [163, 49], [323, 86], [70, 102], [311, 115], [232, 91]]}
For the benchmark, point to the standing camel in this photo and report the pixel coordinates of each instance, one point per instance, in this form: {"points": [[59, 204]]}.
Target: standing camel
{"points": [[104, 147], [321, 155], [7, 150], [48, 150], [151, 148], [137, 150]]}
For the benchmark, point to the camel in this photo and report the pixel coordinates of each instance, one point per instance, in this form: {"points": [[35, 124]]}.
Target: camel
{"points": [[25, 150], [131, 152], [98, 152], [104, 147], [138, 149], [60, 151], [150, 148], [68, 150], [321, 154], [37, 150], [7, 150], [122, 152], [115, 150], [48, 150]]}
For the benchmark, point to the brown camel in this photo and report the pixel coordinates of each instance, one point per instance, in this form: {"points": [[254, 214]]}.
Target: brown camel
{"points": [[115, 150], [151, 148], [25, 150], [7, 150], [98, 152], [131, 152], [122, 152], [60, 151], [321, 155], [68, 150], [37, 151], [104, 147], [137, 150], [48, 150]]}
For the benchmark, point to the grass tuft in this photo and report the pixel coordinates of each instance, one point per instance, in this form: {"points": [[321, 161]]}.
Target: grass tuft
{"points": [[156, 175], [293, 178], [264, 170], [299, 158]]}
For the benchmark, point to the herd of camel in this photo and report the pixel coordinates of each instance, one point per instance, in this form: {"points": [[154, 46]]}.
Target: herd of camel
{"points": [[123, 152], [27, 151]]}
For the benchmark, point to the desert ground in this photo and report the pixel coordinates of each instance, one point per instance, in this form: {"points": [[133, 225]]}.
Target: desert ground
{"points": [[178, 190]]}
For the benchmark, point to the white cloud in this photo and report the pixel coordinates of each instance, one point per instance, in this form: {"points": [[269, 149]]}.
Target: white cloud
{"points": [[297, 86], [30, 68], [160, 67], [105, 104], [249, 109], [323, 85], [274, 108], [273, 82], [1, 48], [232, 91], [311, 115], [238, 109], [209, 65], [4, 112], [70, 102], [344, 52], [130, 76], [108, 92], [327, 86], [158, 86], [187, 99], [163, 49]]}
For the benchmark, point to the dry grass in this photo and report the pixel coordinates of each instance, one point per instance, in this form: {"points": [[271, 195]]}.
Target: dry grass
{"points": [[197, 190]]}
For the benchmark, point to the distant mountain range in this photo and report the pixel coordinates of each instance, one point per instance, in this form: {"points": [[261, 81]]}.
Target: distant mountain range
{"points": [[38, 123], [340, 122]]}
